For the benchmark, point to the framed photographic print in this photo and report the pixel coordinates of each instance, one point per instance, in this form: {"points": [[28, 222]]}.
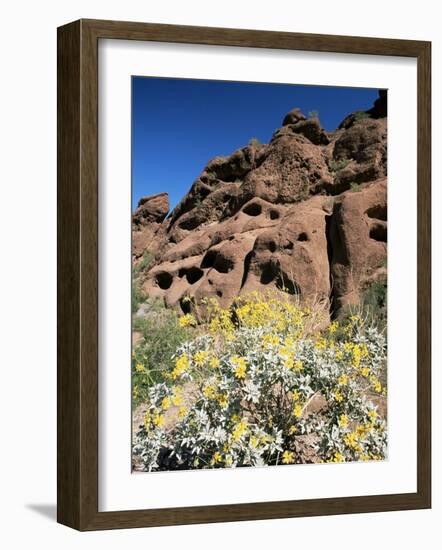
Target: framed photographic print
{"points": [[237, 337]]}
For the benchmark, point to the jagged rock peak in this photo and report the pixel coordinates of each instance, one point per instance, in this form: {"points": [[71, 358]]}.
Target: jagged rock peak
{"points": [[293, 116], [152, 208]]}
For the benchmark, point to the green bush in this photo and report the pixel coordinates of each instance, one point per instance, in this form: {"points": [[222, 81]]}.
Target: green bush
{"points": [[255, 142], [336, 165], [138, 296], [161, 335], [360, 115]]}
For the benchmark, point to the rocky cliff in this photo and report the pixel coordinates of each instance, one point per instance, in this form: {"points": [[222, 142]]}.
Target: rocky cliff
{"points": [[304, 214]]}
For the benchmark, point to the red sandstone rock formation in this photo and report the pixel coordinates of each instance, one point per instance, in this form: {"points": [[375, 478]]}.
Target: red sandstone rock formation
{"points": [[304, 214]]}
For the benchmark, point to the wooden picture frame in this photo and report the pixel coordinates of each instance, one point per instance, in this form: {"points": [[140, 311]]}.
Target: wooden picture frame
{"points": [[78, 274]]}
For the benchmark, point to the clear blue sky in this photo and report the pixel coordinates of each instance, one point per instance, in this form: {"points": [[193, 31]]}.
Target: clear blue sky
{"points": [[178, 125]]}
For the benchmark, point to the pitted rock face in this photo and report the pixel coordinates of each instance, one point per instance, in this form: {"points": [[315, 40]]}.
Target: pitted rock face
{"points": [[304, 214]]}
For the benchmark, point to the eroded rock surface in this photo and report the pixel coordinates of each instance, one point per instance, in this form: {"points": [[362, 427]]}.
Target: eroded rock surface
{"points": [[304, 214]]}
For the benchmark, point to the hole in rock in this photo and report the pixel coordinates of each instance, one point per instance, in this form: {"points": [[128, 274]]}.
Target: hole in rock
{"points": [[164, 280], [272, 246], [268, 274], [194, 274], [219, 293], [378, 232], [209, 259], [303, 236], [274, 214], [223, 264], [252, 209], [379, 212], [189, 223], [185, 306]]}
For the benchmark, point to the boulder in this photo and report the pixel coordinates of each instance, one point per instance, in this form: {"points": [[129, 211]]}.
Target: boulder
{"points": [[305, 215], [153, 208], [293, 116], [358, 241]]}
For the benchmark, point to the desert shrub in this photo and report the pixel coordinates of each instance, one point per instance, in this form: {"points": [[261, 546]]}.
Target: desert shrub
{"points": [[372, 307], [138, 296], [354, 187], [313, 114], [254, 142], [239, 394], [374, 302], [360, 115], [161, 334], [145, 261], [337, 165]]}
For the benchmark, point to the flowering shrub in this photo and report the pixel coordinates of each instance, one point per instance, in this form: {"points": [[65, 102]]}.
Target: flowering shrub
{"points": [[242, 393]]}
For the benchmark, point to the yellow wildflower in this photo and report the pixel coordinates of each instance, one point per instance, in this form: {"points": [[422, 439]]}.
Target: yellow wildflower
{"points": [[158, 419], [147, 419], [240, 366], [270, 340], [182, 411], [365, 371], [333, 327], [362, 430], [356, 356], [181, 365], [343, 380], [297, 410], [139, 367], [239, 430], [321, 343], [187, 320], [177, 397], [217, 457], [338, 457], [338, 396], [288, 457], [200, 357], [166, 402], [343, 421], [372, 415], [293, 429], [298, 365], [214, 362], [351, 441], [222, 400], [209, 392]]}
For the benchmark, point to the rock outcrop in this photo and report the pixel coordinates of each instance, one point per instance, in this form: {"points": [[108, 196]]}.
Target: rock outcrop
{"points": [[304, 214]]}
